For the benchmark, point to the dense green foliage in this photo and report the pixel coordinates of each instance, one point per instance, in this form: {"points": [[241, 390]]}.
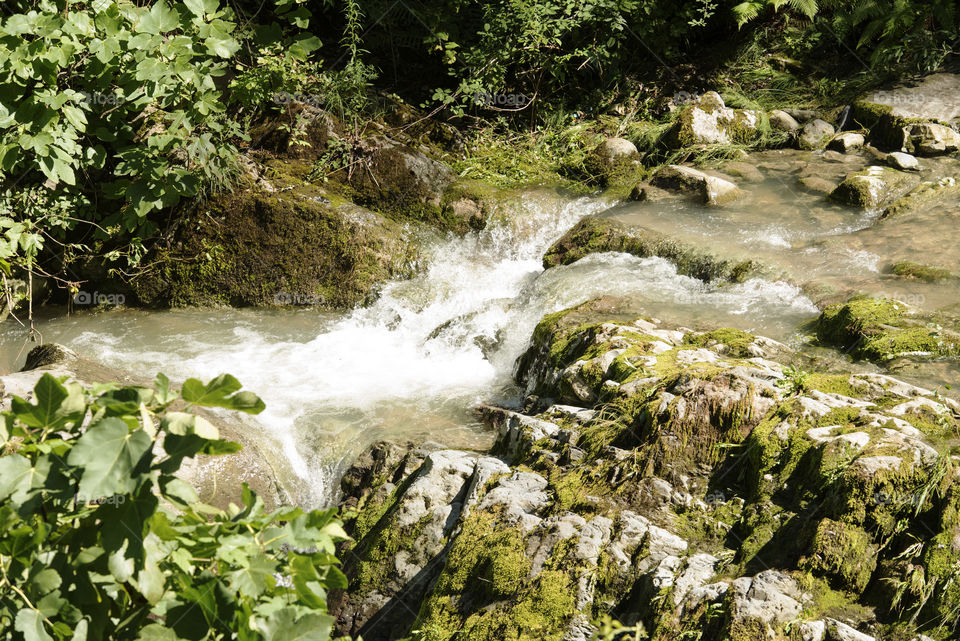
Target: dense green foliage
{"points": [[100, 540], [556, 53], [112, 101], [111, 112], [116, 115]]}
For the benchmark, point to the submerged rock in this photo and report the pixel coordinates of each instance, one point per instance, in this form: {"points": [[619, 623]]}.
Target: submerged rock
{"points": [[745, 170], [927, 273], [817, 185], [715, 494], [598, 234], [927, 194]]}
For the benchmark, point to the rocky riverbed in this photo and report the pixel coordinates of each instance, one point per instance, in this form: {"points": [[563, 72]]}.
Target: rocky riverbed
{"points": [[678, 481], [709, 400]]}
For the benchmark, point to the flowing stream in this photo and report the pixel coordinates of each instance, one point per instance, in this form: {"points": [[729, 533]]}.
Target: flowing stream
{"points": [[414, 364]]}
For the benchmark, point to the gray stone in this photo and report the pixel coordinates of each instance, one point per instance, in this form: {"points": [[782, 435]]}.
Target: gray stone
{"points": [[698, 570], [708, 122], [847, 142], [815, 134], [710, 190], [47, 355], [935, 97], [839, 631], [801, 115], [771, 597], [903, 161], [613, 151], [813, 631], [930, 139], [782, 121]]}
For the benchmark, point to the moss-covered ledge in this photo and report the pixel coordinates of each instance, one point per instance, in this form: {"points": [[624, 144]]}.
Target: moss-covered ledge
{"points": [[881, 329], [277, 243], [602, 234]]}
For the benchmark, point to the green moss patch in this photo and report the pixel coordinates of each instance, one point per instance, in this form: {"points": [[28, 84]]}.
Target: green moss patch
{"points": [[880, 329], [845, 553], [925, 273], [595, 235]]}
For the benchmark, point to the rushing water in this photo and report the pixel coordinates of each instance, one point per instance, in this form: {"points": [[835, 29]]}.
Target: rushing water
{"points": [[413, 364]]}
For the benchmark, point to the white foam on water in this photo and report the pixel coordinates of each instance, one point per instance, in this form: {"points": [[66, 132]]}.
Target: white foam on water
{"points": [[417, 359]]}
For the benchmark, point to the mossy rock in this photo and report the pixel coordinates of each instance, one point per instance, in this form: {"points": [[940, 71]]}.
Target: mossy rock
{"points": [[926, 273], [291, 246], [596, 234], [874, 187], [886, 129], [843, 552], [709, 122], [892, 129], [399, 181], [925, 195], [880, 329]]}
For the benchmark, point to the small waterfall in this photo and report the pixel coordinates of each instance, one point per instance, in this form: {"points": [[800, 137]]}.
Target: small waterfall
{"points": [[414, 363]]}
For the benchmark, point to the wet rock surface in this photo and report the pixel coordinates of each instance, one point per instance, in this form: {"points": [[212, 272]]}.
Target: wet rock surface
{"points": [[690, 483], [598, 234]]}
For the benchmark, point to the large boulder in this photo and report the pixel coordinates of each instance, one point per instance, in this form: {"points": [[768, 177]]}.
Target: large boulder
{"points": [[395, 178], [917, 117], [707, 121], [882, 329], [295, 245]]}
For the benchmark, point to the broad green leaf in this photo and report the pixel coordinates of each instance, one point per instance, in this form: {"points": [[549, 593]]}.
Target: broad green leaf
{"points": [[160, 19], [80, 632], [44, 581], [182, 423], [283, 624], [157, 632], [223, 47], [223, 391], [120, 566], [56, 405], [30, 624], [253, 579], [200, 8], [164, 395], [15, 473], [109, 454], [151, 580]]}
